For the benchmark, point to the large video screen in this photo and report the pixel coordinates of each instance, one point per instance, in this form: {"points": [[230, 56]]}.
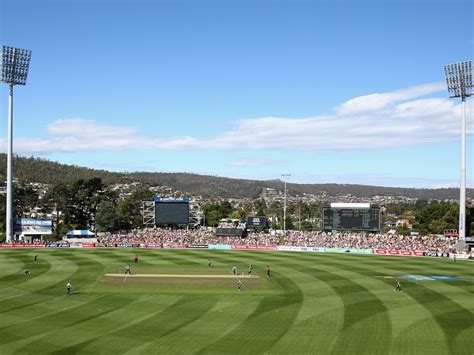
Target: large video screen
{"points": [[33, 226], [171, 213], [351, 219]]}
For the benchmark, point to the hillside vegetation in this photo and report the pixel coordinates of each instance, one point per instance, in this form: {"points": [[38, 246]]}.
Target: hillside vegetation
{"points": [[30, 169]]}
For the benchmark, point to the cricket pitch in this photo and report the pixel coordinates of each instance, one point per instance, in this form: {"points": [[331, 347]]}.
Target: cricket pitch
{"points": [[187, 276]]}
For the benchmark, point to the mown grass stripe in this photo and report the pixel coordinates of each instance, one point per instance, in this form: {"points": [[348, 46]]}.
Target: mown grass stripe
{"points": [[11, 265], [439, 340], [53, 336], [16, 279], [51, 321], [161, 324], [362, 310], [131, 314], [280, 310], [320, 305], [35, 301], [311, 292], [224, 316]]}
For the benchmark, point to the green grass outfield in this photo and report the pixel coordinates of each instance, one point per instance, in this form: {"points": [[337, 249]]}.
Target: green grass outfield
{"points": [[314, 303]]}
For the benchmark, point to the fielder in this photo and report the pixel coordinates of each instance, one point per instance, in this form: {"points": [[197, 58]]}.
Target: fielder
{"points": [[398, 288], [240, 285]]}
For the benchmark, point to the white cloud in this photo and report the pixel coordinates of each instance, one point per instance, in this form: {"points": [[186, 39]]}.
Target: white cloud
{"points": [[377, 102], [85, 129], [383, 120]]}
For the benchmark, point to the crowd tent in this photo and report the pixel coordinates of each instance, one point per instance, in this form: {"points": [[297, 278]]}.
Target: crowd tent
{"points": [[80, 233], [79, 237]]}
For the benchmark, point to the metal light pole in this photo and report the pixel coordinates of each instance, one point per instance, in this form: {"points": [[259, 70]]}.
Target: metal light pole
{"points": [[15, 64], [459, 82], [284, 203]]}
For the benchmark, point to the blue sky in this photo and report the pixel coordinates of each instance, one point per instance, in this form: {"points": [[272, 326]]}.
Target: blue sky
{"points": [[328, 91]]}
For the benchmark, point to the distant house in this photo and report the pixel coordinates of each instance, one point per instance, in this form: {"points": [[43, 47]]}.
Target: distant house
{"points": [[404, 222], [390, 223]]}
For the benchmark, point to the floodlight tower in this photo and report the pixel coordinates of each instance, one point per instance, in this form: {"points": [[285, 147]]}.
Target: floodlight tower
{"points": [[15, 64], [285, 176], [459, 82]]}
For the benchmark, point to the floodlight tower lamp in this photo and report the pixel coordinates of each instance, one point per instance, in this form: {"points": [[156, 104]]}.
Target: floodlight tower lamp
{"points": [[285, 176], [15, 65], [459, 83]]}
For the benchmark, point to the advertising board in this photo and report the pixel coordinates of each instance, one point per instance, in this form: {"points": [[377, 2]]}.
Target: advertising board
{"points": [[256, 221], [253, 247], [220, 246], [229, 232], [33, 226], [31, 246], [398, 252]]}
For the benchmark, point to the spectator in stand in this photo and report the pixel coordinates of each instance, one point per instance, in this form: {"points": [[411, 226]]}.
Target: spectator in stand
{"points": [[356, 240]]}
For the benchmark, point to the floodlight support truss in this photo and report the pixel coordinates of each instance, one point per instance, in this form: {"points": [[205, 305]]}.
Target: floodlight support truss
{"points": [[285, 176], [195, 215], [462, 192], [148, 212], [15, 65], [459, 83], [9, 202]]}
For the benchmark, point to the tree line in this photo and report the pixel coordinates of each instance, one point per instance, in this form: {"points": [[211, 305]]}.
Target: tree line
{"points": [[31, 169], [91, 204], [81, 204]]}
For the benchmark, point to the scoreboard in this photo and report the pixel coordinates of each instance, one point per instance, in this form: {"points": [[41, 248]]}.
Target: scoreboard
{"points": [[349, 217], [171, 211]]}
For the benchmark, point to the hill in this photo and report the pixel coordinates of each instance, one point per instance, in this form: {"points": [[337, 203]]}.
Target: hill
{"points": [[30, 169], [215, 186]]}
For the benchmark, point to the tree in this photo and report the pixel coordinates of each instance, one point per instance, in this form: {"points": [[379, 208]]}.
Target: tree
{"points": [[261, 212], [239, 214], [129, 210], [225, 209], [403, 230], [289, 222], [213, 217], [211, 214], [436, 217], [260, 206], [78, 201], [451, 217], [275, 210], [25, 199], [214, 212], [106, 218]]}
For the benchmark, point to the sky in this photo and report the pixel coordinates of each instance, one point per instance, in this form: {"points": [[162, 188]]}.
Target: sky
{"points": [[327, 91]]}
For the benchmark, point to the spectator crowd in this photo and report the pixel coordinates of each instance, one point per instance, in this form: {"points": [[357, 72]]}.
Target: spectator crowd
{"points": [[356, 240], [168, 238]]}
